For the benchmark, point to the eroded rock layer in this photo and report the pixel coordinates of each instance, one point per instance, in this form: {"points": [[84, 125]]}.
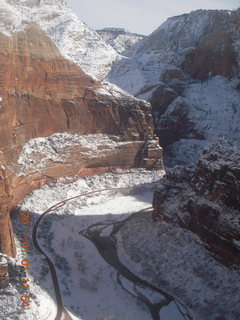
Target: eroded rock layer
{"points": [[42, 93]]}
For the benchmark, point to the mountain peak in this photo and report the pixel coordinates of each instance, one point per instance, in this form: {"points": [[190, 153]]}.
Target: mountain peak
{"points": [[122, 40], [116, 30], [74, 38]]}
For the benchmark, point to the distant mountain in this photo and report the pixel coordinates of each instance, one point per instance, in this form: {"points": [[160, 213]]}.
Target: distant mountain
{"points": [[121, 40], [189, 70]]}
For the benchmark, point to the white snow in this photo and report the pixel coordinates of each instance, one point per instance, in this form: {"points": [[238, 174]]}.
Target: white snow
{"points": [[42, 305], [215, 108], [177, 261], [164, 49], [214, 104], [120, 39], [165, 255], [74, 38], [88, 284], [185, 151], [38, 151], [112, 90]]}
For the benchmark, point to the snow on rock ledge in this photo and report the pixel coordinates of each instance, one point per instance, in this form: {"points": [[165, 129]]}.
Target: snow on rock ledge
{"points": [[37, 152]]}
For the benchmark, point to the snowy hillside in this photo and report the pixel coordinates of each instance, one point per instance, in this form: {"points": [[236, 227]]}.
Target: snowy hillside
{"points": [[214, 111], [189, 70], [73, 37], [121, 40], [165, 48]]}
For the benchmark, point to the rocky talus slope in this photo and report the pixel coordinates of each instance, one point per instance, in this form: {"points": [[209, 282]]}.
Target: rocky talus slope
{"points": [[189, 70], [47, 104]]}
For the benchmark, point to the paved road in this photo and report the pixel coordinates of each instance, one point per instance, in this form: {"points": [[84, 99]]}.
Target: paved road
{"points": [[62, 313]]}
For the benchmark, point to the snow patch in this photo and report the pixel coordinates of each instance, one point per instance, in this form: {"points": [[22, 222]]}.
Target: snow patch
{"points": [[53, 148], [215, 108]]}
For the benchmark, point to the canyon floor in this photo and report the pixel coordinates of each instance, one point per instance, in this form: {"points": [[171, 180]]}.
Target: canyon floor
{"points": [[112, 261]]}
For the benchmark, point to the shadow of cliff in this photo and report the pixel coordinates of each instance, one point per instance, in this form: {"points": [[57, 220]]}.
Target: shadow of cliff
{"points": [[60, 236]]}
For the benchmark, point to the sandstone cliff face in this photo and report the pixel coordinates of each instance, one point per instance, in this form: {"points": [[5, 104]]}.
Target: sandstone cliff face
{"points": [[74, 38], [42, 93], [205, 199]]}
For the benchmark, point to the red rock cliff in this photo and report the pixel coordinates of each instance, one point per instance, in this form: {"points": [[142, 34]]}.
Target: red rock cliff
{"points": [[41, 94]]}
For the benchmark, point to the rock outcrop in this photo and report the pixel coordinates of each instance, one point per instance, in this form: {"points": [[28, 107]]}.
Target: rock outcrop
{"points": [[205, 199], [188, 69], [42, 93]]}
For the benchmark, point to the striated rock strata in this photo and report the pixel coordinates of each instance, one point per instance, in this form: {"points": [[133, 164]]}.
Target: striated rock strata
{"points": [[75, 40], [42, 93]]}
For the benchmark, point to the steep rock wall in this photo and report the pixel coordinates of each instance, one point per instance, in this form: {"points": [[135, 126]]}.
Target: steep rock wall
{"points": [[205, 199], [42, 93]]}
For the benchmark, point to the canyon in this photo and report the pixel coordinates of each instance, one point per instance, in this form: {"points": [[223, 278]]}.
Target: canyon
{"points": [[42, 93], [81, 111], [188, 69]]}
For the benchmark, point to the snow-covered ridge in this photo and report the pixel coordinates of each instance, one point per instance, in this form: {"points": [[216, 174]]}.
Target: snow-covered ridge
{"points": [[38, 151], [114, 30], [120, 39], [74, 38], [110, 89], [166, 48], [162, 64]]}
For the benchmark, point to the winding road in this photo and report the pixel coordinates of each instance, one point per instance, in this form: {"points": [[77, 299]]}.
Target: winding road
{"points": [[62, 313], [106, 247]]}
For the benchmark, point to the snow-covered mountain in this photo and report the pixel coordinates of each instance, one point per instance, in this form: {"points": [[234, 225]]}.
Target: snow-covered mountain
{"points": [[171, 46], [74, 38], [62, 129], [120, 39], [189, 70]]}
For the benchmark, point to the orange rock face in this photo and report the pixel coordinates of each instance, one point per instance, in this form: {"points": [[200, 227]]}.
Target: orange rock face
{"points": [[43, 93]]}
